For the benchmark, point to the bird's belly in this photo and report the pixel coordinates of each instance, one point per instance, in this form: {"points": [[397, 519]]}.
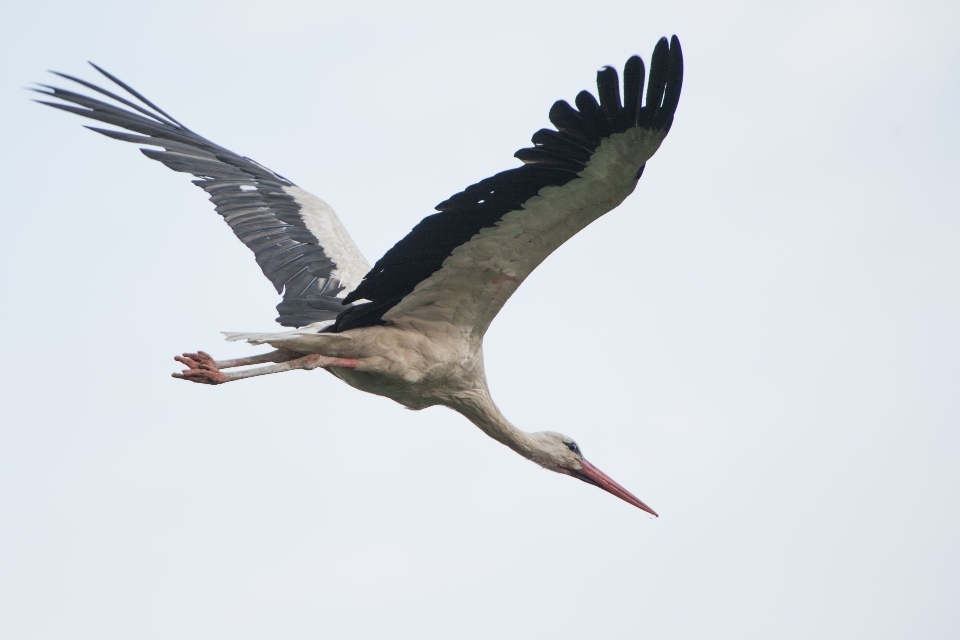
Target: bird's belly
{"points": [[416, 369], [412, 395]]}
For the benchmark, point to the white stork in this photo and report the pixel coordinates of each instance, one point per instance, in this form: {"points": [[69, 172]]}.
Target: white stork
{"points": [[411, 328]]}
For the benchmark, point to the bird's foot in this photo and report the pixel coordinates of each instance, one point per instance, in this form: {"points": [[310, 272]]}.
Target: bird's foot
{"points": [[200, 368]]}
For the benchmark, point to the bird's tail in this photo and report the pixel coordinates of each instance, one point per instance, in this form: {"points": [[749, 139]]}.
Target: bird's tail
{"points": [[308, 339]]}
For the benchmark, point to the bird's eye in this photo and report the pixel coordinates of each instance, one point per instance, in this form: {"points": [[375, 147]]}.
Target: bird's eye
{"points": [[573, 447]]}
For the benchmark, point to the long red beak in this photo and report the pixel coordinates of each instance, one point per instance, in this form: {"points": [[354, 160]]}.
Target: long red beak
{"points": [[594, 476]]}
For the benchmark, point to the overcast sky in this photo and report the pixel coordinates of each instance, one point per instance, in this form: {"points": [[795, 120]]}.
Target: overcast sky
{"points": [[761, 343]]}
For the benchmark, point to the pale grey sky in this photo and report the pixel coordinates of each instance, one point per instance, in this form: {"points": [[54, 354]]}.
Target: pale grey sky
{"points": [[761, 342]]}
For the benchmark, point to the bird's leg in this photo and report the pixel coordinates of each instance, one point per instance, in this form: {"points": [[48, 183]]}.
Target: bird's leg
{"points": [[204, 369], [201, 367], [202, 358]]}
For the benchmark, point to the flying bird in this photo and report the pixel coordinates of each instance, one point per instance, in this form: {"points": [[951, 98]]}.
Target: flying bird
{"points": [[412, 327]]}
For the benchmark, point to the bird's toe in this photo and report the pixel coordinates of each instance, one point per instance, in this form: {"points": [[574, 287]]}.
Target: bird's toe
{"points": [[203, 376], [200, 367]]}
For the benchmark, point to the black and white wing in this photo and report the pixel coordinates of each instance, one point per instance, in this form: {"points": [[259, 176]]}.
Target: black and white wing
{"points": [[297, 239], [461, 265]]}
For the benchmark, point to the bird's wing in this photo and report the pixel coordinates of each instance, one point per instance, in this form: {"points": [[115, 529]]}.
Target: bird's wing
{"points": [[461, 265], [297, 239]]}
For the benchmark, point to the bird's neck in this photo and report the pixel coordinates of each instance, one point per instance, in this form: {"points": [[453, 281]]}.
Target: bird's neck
{"points": [[478, 407]]}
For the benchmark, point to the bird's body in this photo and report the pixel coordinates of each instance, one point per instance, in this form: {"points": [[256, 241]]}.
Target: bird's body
{"points": [[411, 328], [417, 369]]}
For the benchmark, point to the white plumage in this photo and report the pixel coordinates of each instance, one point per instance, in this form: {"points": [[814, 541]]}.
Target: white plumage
{"points": [[322, 221], [411, 328]]}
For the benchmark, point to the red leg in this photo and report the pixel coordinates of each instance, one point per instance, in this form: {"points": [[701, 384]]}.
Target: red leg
{"points": [[194, 360], [204, 369]]}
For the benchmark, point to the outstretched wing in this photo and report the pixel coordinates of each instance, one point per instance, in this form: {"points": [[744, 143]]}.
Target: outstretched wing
{"points": [[297, 239], [461, 265]]}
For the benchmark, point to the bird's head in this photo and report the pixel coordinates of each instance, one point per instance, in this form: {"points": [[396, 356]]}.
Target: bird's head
{"points": [[560, 453]]}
